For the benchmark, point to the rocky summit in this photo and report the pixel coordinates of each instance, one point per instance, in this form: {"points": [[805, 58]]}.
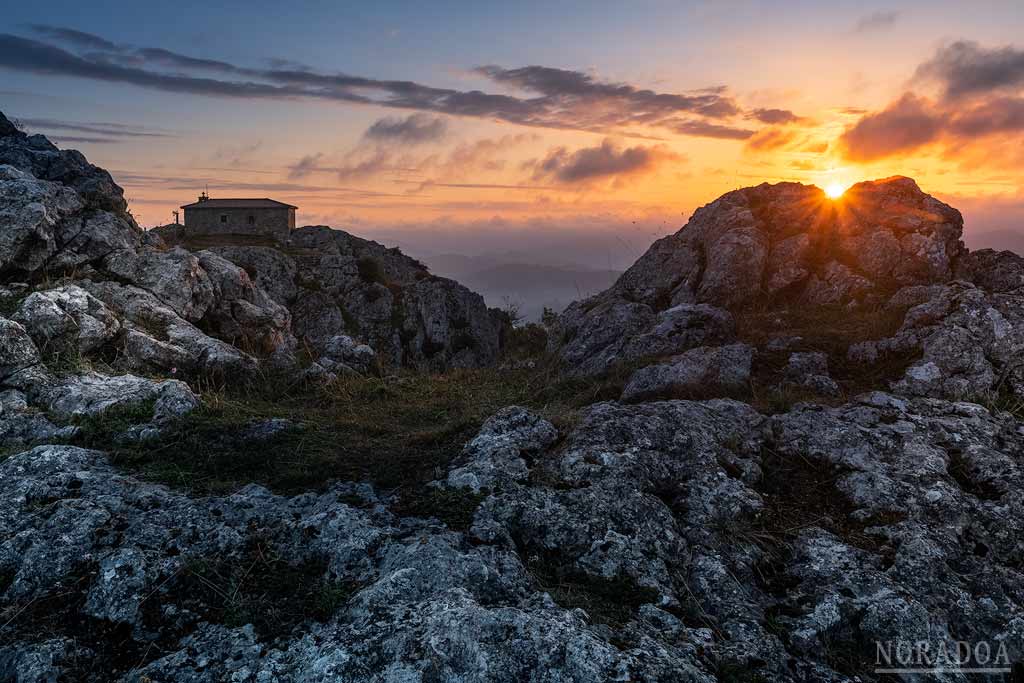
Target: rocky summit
{"points": [[788, 442]]}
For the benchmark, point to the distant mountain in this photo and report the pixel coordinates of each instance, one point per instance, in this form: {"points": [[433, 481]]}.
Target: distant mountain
{"points": [[530, 286], [1011, 240]]}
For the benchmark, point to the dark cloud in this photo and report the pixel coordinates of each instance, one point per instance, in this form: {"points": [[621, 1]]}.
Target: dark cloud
{"points": [[578, 88], [156, 55], [559, 98], [607, 160], [966, 69], [110, 130], [70, 36], [775, 117], [905, 125], [1000, 115], [708, 129], [979, 99], [81, 139], [411, 130], [876, 21]]}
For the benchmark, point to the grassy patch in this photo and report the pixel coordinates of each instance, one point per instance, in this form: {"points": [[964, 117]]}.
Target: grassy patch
{"points": [[607, 601], [399, 431], [261, 588], [829, 330]]}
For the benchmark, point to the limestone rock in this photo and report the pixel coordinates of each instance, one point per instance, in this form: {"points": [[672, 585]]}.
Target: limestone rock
{"points": [[809, 370], [704, 370], [94, 394], [36, 155], [67, 318], [998, 272], [772, 246]]}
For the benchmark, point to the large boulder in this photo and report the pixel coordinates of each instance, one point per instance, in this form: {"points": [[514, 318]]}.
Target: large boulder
{"points": [[768, 247], [155, 338], [702, 371], [67, 319], [93, 394]]}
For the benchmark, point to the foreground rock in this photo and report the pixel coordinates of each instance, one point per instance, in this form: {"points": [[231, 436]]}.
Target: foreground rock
{"points": [[666, 541]]}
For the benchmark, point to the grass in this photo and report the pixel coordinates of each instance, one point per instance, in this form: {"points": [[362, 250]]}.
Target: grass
{"points": [[606, 601], [399, 431], [261, 588], [829, 330]]}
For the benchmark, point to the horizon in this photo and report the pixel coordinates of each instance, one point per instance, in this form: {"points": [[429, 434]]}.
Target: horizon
{"points": [[477, 131]]}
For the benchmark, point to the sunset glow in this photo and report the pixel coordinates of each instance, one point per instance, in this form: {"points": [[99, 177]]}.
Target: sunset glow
{"points": [[491, 130], [834, 190]]}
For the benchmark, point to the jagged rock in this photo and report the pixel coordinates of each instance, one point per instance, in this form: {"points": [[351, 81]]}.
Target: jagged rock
{"points": [[67, 318], [342, 353], [704, 370], [772, 245], [243, 314], [36, 155], [156, 338], [495, 455], [174, 277], [414, 585], [270, 269], [335, 284], [17, 351], [809, 370], [968, 342], [31, 211], [995, 271], [49, 224], [593, 340], [22, 425], [94, 394], [837, 284]]}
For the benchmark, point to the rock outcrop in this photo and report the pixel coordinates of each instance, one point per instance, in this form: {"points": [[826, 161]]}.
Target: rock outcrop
{"points": [[768, 246], [885, 249], [334, 283]]}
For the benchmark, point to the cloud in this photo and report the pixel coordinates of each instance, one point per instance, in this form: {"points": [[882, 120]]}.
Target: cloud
{"points": [[77, 38], [304, 166], [81, 139], [978, 100], [557, 98], [775, 117], [411, 130], [1001, 115], [577, 87], [607, 160], [107, 130], [876, 21], [905, 125], [964, 69], [707, 129], [768, 139]]}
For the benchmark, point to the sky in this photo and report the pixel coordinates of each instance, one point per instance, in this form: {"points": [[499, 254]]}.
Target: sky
{"points": [[569, 132]]}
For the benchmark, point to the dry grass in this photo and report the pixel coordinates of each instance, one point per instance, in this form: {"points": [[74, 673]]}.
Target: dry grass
{"points": [[398, 431]]}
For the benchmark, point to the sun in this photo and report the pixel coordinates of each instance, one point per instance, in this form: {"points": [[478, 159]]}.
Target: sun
{"points": [[834, 190]]}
